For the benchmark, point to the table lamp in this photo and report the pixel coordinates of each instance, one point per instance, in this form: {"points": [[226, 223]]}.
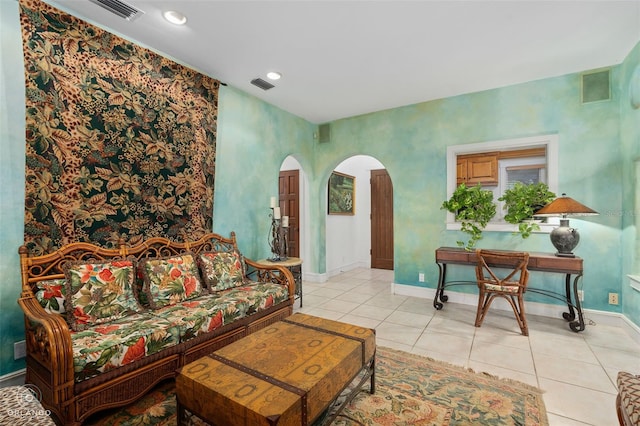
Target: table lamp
{"points": [[564, 238]]}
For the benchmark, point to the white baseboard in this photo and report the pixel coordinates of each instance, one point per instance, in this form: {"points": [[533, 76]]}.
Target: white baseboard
{"points": [[321, 278], [533, 308], [13, 379]]}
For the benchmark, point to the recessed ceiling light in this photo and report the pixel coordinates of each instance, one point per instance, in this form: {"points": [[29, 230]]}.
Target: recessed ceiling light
{"points": [[175, 17], [274, 75]]}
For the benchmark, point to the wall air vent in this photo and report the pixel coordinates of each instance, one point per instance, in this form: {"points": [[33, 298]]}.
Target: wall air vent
{"points": [[596, 86], [324, 133], [120, 8], [264, 85]]}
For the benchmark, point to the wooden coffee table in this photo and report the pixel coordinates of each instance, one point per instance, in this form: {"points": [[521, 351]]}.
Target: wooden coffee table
{"points": [[288, 373]]}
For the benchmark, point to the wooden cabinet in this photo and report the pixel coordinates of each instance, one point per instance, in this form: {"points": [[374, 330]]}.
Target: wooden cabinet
{"points": [[476, 169]]}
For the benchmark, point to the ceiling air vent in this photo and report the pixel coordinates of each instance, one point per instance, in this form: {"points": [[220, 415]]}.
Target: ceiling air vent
{"points": [[120, 8], [264, 85]]}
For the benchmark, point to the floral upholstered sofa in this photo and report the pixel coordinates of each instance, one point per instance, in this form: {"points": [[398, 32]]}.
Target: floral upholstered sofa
{"points": [[103, 326]]}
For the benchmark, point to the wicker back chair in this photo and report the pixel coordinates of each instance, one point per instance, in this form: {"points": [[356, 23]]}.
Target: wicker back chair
{"points": [[512, 267]]}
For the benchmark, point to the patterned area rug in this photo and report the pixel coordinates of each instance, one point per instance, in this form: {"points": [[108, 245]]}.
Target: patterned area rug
{"points": [[410, 390]]}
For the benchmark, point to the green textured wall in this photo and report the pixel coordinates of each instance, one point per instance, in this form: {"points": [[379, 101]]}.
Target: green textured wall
{"points": [[630, 140], [411, 142], [12, 167], [597, 145], [254, 138]]}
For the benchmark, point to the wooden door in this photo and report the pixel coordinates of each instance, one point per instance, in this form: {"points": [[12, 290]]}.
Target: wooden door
{"points": [[289, 194], [381, 220]]}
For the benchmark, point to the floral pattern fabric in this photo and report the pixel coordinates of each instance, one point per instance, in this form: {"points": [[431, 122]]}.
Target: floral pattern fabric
{"points": [[202, 315], [107, 346], [221, 270], [100, 292], [504, 288], [120, 141], [168, 281], [51, 295], [257, 296]]}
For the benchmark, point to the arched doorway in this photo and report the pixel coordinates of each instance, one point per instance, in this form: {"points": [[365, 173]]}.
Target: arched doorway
{"points": [[293, 201], [354, 240]]}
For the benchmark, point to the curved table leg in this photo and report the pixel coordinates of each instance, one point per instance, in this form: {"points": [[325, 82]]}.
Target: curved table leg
{"points": [[571, 315], [577, 325], [572, 295], [440, 296]]}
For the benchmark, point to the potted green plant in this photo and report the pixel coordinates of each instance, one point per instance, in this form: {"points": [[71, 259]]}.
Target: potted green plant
{"points": [[473, 208], [522, 201]]}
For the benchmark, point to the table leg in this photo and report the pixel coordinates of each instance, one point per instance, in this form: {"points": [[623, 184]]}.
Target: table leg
{"points": [[571, 315], [372, 388], [573, 303], [440, 296], [297, 275], [577, 325], [180, 414]]}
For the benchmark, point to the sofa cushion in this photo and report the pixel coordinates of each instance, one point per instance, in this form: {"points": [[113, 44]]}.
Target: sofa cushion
{"points": [[258, 296], [170, 280], [201, 315], [99, 292], [107, 346], [629, 395], [222, 270], [51, 295]]}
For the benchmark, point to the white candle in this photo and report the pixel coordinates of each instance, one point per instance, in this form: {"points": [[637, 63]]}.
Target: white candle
{"points": [[285, 221], [272, 204], [276, 212]]}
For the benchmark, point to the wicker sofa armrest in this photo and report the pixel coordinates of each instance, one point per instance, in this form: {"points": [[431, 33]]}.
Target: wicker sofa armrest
{"points": [[48, 341], [271, 274]]}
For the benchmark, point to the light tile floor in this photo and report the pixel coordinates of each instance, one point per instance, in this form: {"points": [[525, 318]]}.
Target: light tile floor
{"points": [[576, 371]]}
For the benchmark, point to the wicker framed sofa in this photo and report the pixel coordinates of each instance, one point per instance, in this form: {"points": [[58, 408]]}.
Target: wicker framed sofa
{"points": [[103, 326]]}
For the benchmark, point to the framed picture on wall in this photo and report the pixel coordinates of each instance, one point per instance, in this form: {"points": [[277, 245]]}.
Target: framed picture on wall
{"points": [[342, 194]]}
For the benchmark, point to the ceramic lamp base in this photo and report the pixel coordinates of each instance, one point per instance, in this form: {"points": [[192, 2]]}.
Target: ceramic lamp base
{"points": [[565, 239]]}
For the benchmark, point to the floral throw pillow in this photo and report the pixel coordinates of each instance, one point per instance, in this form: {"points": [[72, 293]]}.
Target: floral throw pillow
{"points": [[51, 295], [168, 281], [222, 270], [98, 293]]}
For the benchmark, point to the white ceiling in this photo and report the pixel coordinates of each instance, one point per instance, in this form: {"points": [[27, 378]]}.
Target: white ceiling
{"points": [[345, 58]]}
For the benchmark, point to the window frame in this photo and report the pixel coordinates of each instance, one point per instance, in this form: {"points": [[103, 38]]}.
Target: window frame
{"points": [[549, 141]]}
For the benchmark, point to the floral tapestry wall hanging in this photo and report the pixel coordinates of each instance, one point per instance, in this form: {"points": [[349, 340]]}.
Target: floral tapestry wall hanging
{"points": [[120, 141]]}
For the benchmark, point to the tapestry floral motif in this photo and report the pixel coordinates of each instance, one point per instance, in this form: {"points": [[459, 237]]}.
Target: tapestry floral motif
{"points": [[120, 142]]}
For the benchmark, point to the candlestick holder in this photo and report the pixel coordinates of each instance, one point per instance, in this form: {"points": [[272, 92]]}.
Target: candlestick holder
{"points": [[278, 236]]}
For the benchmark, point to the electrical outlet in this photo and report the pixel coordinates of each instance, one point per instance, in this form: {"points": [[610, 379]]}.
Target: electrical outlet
{"points": [[421, 277], [613, 298], [19, 350], [581, 295]]}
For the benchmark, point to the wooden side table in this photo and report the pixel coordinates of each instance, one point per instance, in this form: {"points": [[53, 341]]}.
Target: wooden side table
{"points": [[294, 264]]}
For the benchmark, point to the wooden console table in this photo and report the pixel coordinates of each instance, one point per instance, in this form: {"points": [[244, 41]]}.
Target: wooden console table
{"points": [[545, 262]]}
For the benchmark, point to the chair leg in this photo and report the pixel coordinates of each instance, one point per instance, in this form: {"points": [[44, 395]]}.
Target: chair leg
{"points": [[484, 302], [523, 318], [518, 310]]}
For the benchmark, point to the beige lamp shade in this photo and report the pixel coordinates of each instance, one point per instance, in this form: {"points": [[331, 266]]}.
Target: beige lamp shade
{"points": [[565, 206], [564, 238]]}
